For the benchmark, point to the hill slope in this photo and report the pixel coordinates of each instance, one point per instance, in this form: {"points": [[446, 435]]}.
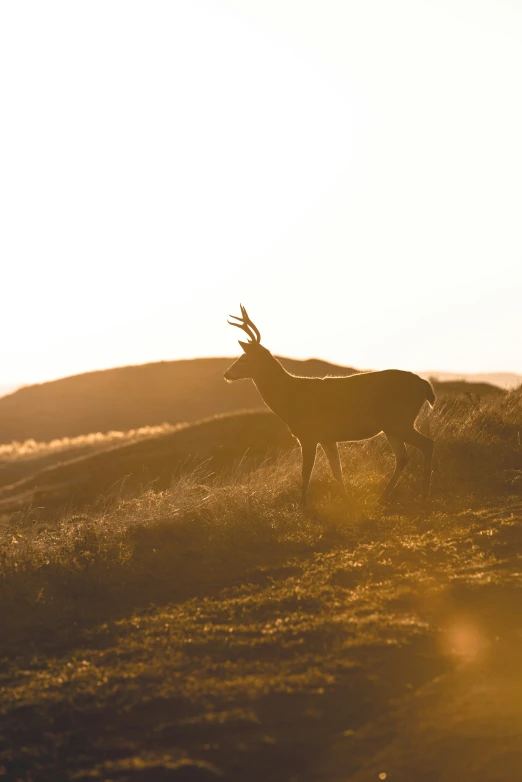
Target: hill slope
{"points": [[221, 628], [130, 397], [217, 444], [41, 480]]}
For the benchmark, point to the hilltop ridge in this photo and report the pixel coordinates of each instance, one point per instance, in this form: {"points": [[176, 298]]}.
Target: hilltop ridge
{"points": [[130, 397], [506, 380]]}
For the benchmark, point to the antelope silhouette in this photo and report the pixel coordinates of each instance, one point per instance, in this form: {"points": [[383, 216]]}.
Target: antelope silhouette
{"points": [[329, 410]]}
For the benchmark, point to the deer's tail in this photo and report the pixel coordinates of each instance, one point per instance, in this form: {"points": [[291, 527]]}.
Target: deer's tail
{"points": [[430, 393]]}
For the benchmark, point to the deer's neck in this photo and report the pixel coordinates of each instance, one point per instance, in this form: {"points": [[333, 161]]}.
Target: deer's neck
{"points": [[276, 389]]}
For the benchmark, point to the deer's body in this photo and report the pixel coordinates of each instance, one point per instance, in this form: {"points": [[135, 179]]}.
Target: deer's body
{"points": [[335, 409], [344, 408]]}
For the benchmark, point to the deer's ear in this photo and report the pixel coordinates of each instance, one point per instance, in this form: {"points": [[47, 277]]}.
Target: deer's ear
{"points": [[244, 345]]}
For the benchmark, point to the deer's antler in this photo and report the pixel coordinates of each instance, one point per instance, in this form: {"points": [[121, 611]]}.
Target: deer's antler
{"points": [[247, 325]]}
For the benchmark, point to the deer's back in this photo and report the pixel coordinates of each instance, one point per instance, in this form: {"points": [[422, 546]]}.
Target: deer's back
{"points": [[356, 407]]}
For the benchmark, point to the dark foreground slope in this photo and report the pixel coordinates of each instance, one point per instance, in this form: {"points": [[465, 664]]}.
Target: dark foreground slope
{"points": [[130, 397], [217, 631]]}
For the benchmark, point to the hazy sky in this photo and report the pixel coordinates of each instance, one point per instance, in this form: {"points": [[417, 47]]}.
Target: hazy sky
{"points": [[350, 170]]}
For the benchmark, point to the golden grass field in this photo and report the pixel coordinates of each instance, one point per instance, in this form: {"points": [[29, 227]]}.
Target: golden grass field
{"points": [[204, 627]]}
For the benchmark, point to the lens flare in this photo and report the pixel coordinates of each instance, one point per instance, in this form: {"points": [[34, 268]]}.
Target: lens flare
{"points": [[463, 640]]}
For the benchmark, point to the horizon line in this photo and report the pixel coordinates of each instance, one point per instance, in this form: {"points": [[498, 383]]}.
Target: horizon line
{"points": [[11, 386]]}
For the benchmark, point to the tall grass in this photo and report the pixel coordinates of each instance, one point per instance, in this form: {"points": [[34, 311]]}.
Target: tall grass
{"points": [[205, 533], [479, 445]]}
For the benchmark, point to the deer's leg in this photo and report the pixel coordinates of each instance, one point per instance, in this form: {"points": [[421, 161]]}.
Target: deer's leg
{"points": [[401, 460], [332, 454], [424, 444], [308, 451]]}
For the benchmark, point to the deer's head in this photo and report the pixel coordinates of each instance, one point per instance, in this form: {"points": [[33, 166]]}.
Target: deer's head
{"points": [[256, 359]]}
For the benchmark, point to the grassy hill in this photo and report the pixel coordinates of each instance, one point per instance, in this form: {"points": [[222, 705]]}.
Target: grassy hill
{"points": [[51, 482], [214, 630], [130, 397], [43, 479], [148, 395]]}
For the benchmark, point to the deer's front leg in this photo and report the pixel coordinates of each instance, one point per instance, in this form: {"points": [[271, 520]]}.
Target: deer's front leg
{"points": [[308, 451], [332, 452]]}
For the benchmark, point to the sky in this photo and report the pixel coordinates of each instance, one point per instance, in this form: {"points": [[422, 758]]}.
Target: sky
{"points": [[349, 170]]}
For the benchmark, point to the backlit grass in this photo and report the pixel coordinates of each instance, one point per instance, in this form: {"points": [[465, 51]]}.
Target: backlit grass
{"points": [[217, 623]]}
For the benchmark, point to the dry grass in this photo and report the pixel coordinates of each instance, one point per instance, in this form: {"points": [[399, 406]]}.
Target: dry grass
{"points": [[49, 483], [207, 531], [250, 634]]}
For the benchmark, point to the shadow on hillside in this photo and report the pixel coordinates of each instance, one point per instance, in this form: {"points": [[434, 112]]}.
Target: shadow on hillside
{"points": [[73, 740], [470, 623], [51, 605], [356, 716]]}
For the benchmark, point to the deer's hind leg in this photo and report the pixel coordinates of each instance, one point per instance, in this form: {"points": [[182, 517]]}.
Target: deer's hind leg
{"points": [[308, 451], [425, 445], [401, 460]]}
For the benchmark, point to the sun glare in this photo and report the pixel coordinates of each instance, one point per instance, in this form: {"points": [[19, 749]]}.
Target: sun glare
{"points": [[351, 172]]}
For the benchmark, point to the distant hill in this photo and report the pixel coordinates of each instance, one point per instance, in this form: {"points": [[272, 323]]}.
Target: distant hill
{"points": [[147, 395], [7, 388], [506, 380], [240, 440], [129, 397], [472, 391]]}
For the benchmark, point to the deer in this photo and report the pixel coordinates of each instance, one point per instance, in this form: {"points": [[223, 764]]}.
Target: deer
{"points": [[329, 410]]}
